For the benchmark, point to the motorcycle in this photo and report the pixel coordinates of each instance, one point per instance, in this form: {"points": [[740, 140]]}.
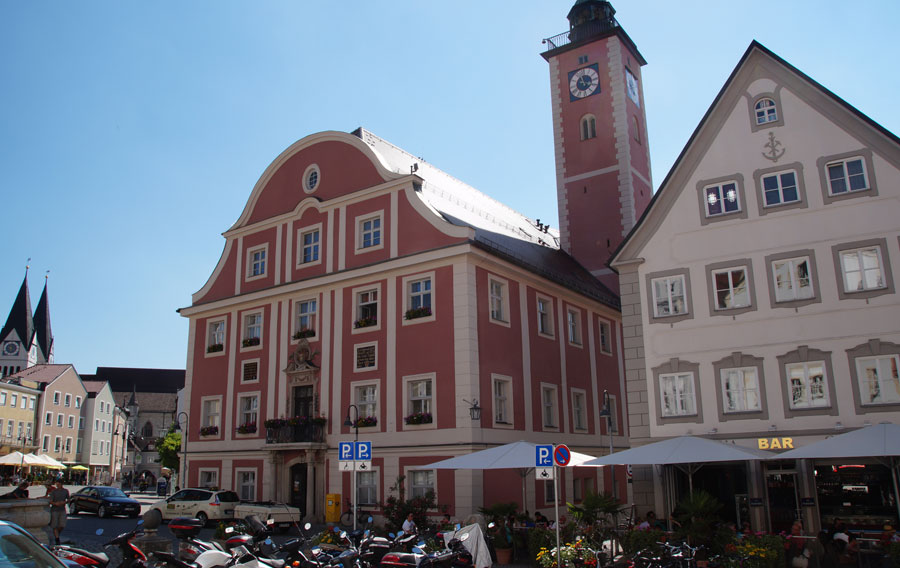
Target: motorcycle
{"points": [[186, 531], [132, 556]]}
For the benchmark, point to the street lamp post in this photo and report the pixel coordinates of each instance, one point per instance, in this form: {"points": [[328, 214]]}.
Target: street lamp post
{"points": [[182, 474], [24, 439], [607, 412], [355, 425]]}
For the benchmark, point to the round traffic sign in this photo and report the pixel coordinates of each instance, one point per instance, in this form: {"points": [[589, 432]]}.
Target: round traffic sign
{"points": [[561, 455]]}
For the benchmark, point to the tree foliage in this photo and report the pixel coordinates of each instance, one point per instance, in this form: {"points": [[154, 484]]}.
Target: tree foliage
{"points": [[168, 448]]}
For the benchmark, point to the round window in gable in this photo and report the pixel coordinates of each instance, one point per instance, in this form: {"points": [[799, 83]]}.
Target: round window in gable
{"points": [[311, 178]]}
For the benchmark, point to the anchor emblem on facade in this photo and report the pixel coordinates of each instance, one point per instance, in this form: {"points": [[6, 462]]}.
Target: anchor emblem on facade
{"points": [[774, 153]]}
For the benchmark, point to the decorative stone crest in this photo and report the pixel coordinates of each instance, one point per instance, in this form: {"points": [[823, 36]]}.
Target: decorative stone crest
{"points": [[300, 368], [774, 154]]}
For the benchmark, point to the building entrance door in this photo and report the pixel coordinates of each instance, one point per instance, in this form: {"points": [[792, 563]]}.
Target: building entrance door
{"points": [[303, 401], [298, 487], [783, 499]]}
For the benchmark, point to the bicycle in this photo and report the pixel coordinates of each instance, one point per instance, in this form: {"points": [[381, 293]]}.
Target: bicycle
{"points": [[362, 517]]}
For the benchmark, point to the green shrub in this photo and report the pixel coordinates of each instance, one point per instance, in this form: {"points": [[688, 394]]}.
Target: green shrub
{"points": [[397, 507], [636, 540]]}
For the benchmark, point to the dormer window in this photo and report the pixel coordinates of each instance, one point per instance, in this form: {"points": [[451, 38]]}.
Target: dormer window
{"points": [[766, 111]]}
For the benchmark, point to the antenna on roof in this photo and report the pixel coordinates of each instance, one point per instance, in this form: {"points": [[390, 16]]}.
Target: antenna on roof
{"points": [[414, 168]]}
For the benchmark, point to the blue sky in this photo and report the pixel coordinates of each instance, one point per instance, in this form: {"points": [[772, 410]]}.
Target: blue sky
{"points": [[131, 133]]}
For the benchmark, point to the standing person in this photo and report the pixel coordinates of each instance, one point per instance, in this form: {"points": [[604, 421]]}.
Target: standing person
{"points": [[409, 526], [796, 555], [58, 499]]}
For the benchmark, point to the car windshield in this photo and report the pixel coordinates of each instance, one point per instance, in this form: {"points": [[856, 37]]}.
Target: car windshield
{"points": [[17, 549], [228, 497], [111, 492]]}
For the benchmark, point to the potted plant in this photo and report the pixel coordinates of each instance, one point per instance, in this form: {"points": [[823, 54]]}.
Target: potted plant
{"points": [[419, 418], [414, 313], [275, 422], [318, 420], [305, 332], [365, 322], [250, 342], [698, 520], [209, 431], [367, 421], [247, 428], [215, 348]]}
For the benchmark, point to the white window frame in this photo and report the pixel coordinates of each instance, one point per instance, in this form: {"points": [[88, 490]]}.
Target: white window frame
{"points": [[302, 246], [77, 402], [811, 392], [208, 418], [724, 191], [10, 425], [68, 445], [48, 418], [81, 422], [741, 394], [361, 404], [370, 489], [362, 232], [14, 400], [873, 384], [418, 489], [312, 178], [57, 444], [356, 347], [60, 418], [604, 330], [795, 279], [56, 397], [2, 398], [503, 404], [358, 311], [729, 273], [765, 113], [246, 362], [408, 381], [550, 495], [588, 127], [241, 484], [579, 410], [574, 327], [246, 328], [498, 300], [212, 335], [550, 417], [310, 317], [673, 385], [257, 268], [45, 444], [779, 188], [409, 296], [845, 177], [71, 421], [858, 253], [614, 414], [240, 418], [671, 299], [213, 478], [544, 315]]}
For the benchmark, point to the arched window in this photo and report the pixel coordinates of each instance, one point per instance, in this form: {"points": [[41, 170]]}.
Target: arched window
{"points": [[588, 127], [147, 431], [765, 111]]}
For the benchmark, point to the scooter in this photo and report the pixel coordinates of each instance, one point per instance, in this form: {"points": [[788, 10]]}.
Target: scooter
{"points": [[186, 531], [132, 556]]}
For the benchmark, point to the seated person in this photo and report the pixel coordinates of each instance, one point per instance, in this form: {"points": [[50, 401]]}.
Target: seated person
{"points": [[20, 492], [651, 523], [540, 520]]}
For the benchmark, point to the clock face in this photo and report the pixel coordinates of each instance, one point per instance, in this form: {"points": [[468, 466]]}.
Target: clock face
{"points": [[584, 82], [10, 348]]}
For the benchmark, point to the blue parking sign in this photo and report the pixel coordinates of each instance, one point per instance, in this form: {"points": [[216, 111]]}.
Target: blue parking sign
{"points": [[363, 451], [345, 451], [543, 456]]}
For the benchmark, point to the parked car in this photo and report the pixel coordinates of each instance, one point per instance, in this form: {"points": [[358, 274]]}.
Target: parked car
{"points": [[19, 548], [105, 501], [203, 504]]}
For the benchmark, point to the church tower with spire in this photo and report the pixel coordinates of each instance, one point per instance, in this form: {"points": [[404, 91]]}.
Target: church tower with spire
{"points": [[26, 339], [603, 180]]}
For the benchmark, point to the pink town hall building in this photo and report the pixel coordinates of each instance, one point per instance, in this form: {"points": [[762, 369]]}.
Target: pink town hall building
{"points": [[358, 274]]}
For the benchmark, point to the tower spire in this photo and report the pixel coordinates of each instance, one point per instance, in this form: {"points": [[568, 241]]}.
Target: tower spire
{"points": [[19, 319], [43, 332]]}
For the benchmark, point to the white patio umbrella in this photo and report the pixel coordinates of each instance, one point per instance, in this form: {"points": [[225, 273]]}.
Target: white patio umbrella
{"points": [[49, 462], [519, 455], [688, 453], [18, 458], [880, 441]]}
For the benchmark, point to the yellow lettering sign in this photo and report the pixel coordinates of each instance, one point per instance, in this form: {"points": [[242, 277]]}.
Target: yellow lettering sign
{"points": [[763, 443], [775, 443], [787, 443]]}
